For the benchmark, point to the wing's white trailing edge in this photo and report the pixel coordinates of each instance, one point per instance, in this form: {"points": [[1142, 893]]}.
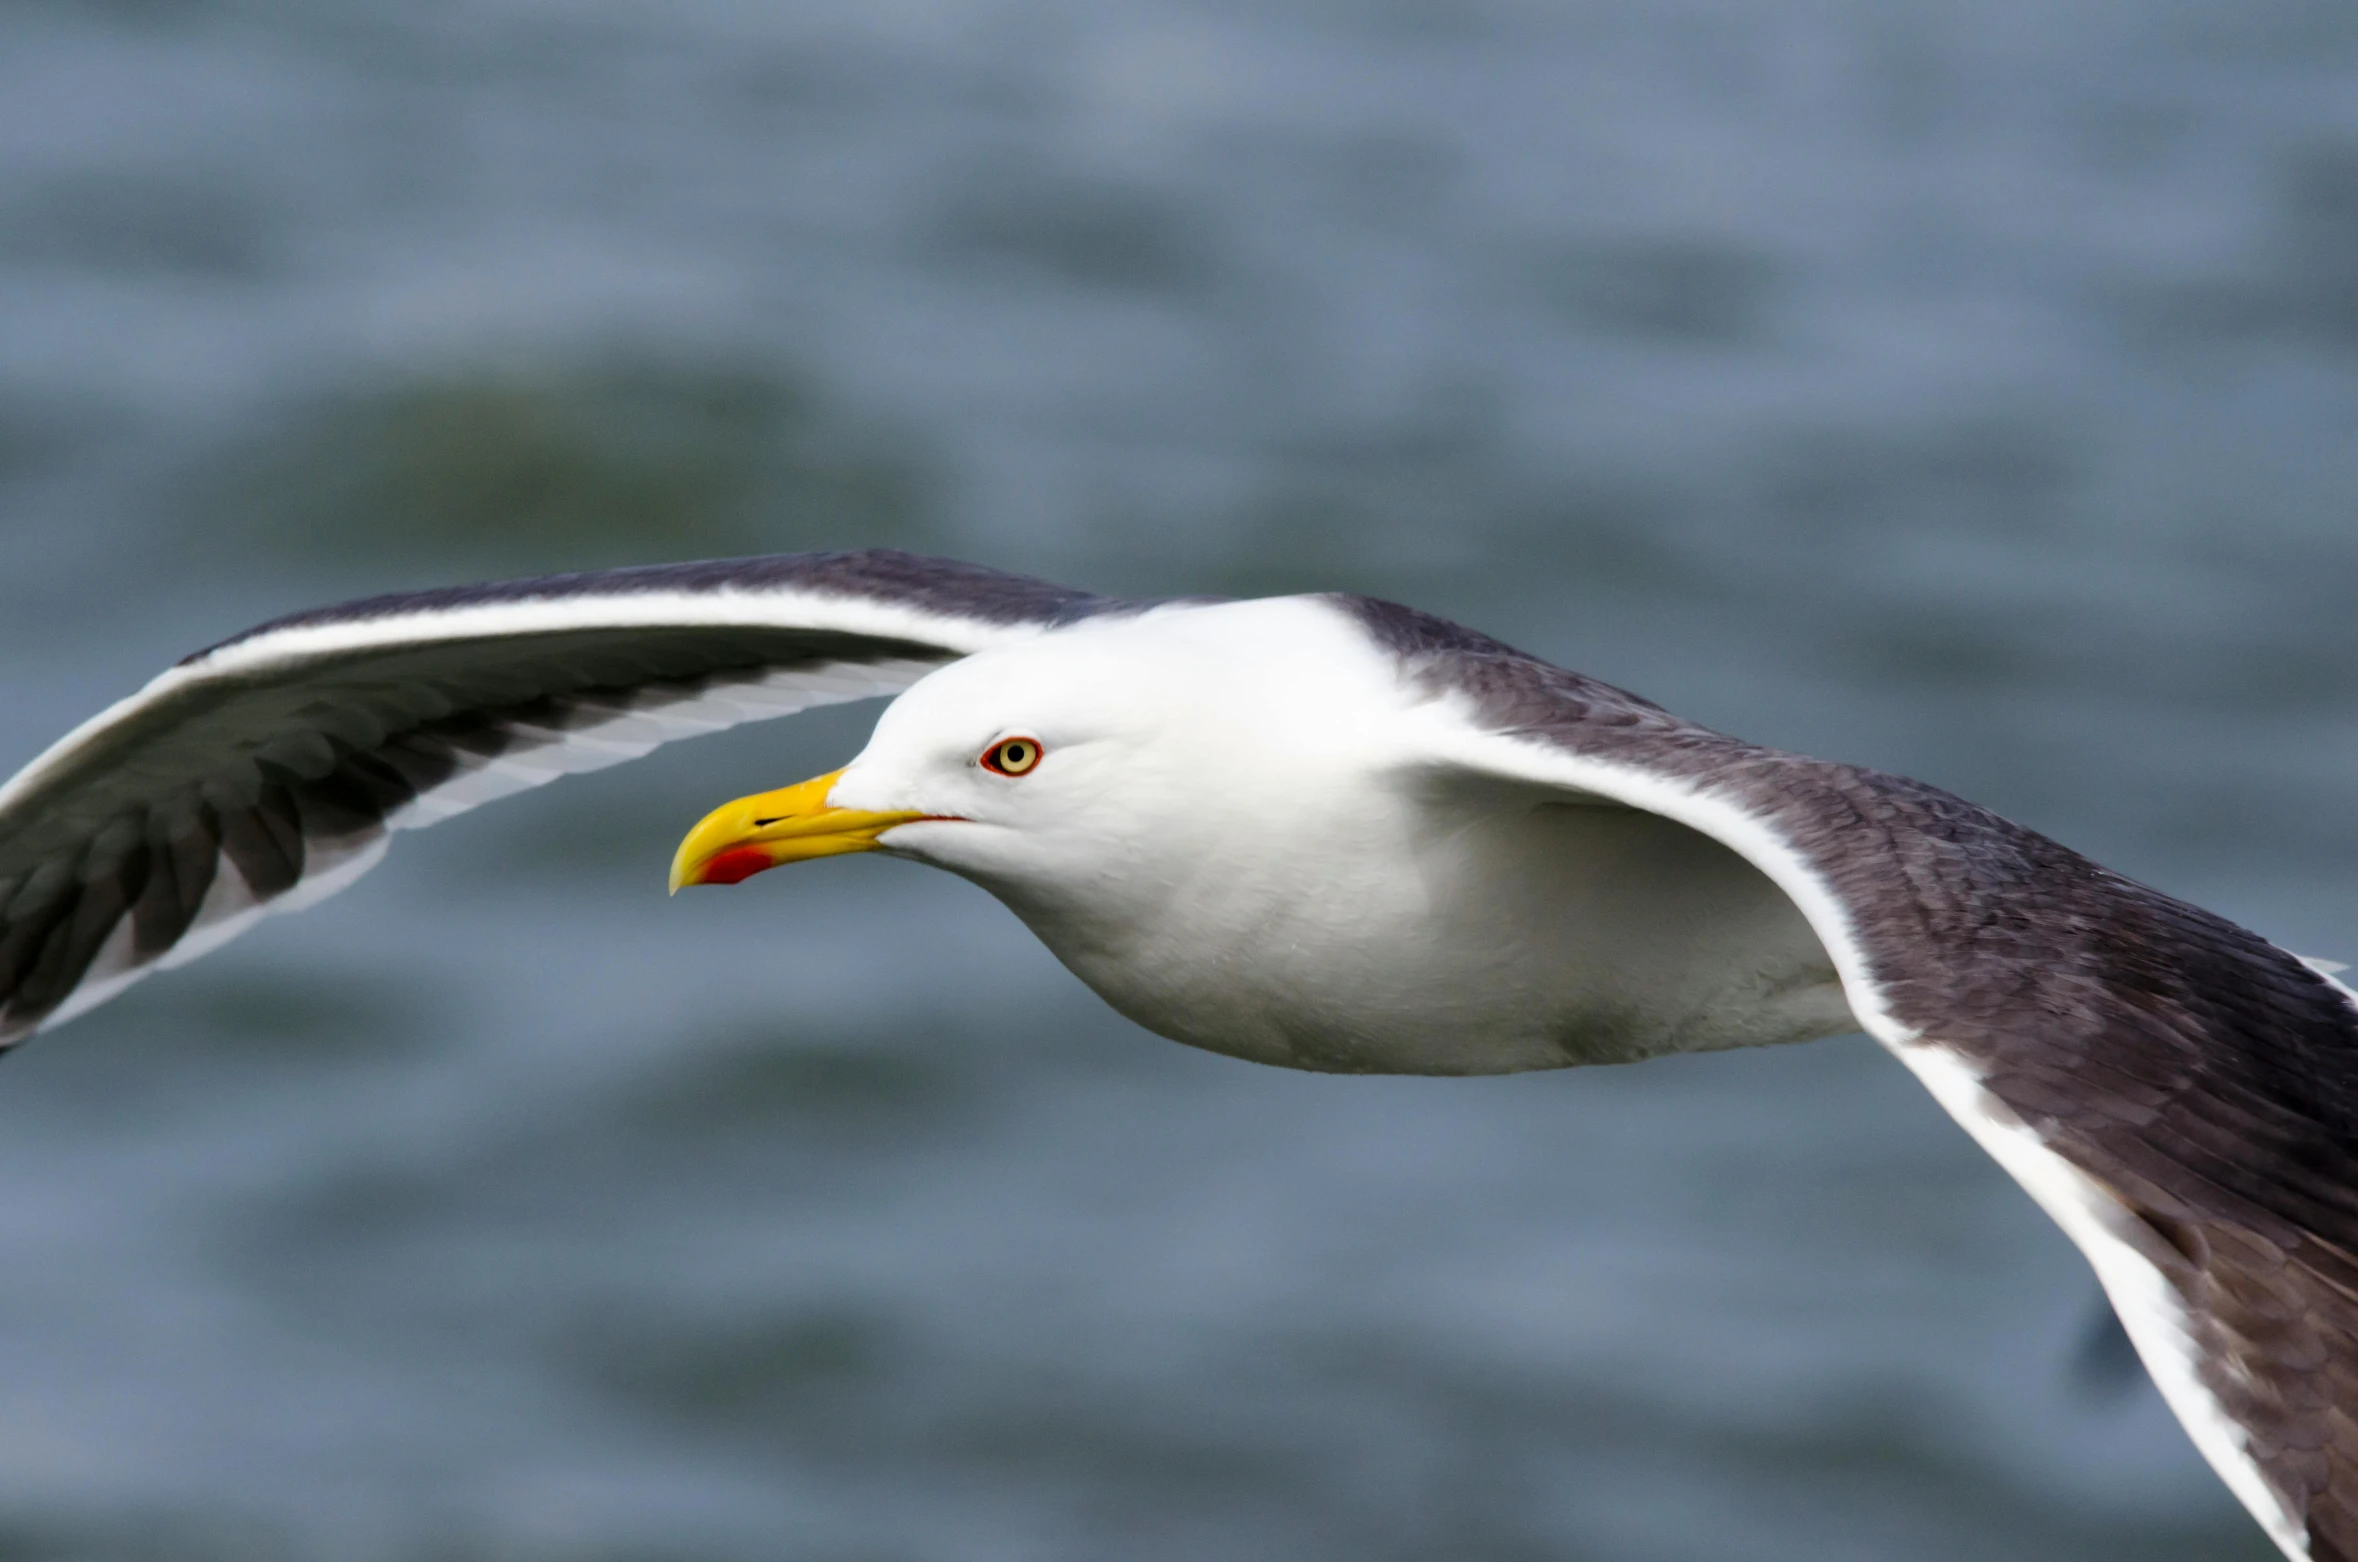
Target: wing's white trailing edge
{"points": [[2151, 1310]]}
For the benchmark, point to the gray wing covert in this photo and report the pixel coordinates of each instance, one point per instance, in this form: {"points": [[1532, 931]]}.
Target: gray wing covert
{"points": [[266, 772]]}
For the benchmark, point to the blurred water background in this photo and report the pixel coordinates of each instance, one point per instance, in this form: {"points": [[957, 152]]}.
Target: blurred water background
{"points": [[1969, 390]]}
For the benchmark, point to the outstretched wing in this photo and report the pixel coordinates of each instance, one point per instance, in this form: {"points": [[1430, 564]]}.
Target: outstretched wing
{"points": [[2178, 1094], [266, 772]]}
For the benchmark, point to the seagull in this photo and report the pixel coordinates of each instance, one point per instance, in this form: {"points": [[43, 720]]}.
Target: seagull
{"points": [[1322, 832]]}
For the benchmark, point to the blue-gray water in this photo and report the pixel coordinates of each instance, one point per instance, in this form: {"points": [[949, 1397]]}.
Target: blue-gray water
{"points": [[1966, 390]]}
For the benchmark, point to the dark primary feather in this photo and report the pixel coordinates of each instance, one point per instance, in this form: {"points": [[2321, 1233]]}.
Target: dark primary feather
{"points": [[272, 773]]}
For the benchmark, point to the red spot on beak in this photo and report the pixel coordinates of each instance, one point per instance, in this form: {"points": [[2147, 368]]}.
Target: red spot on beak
{"points": [[734, 866]]}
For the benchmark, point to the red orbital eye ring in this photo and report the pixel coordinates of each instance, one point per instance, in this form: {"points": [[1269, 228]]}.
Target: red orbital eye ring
{"points": [[1012, 756]]}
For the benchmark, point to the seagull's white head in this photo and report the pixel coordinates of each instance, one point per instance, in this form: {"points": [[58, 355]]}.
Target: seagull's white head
{"points": [[1152, 795], [1068, 754]]}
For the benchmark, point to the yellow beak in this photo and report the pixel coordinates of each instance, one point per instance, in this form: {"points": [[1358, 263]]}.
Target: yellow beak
{"points": [[738, 840]]}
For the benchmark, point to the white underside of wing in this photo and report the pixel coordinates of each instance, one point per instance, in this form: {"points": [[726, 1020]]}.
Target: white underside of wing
{"points": [[760, 607], [2149, 1307]]}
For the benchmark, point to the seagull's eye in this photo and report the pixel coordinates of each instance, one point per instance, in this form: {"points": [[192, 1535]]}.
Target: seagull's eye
{"points": [[1012, 756]]}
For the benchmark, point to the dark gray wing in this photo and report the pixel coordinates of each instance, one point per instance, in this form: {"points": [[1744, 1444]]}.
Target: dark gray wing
{"points": [[265, 772], [2178, 1093]]}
